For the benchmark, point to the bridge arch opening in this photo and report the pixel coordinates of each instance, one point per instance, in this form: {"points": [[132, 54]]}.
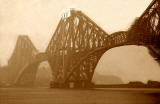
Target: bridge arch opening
{"points": [[127, 63], [43, 75], [35, 74]]}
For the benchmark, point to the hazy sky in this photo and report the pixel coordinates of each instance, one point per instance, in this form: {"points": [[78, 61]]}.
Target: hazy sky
{"points": [[39, 18]]}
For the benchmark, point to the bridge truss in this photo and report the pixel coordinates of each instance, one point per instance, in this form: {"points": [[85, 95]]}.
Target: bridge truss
{"points": [[78, 43]]}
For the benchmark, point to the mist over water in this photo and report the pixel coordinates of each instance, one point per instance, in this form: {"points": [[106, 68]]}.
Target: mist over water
{"points": [[44, 74], [117, 67], [130, 63], [38, 19]]}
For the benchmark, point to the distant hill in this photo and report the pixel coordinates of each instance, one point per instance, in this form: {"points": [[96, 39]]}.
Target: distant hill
{"points": [[107, 79]]}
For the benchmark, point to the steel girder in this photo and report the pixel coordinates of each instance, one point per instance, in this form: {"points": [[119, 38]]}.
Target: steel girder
{"points": [[145, 31], [147, 27], [78, 43], [74, 37], [27, 74], [23, 53]]}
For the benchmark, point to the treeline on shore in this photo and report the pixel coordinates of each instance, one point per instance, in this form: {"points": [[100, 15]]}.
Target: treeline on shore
{"points": [[132, 84]]}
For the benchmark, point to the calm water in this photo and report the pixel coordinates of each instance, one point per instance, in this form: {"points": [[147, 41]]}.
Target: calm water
{"points": [[70, 96]]}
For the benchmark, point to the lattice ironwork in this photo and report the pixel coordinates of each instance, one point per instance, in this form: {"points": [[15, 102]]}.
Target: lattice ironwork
{"points": [[74, 37], [23, 53], [78, 43], [84, 69], [27, 74], [147, 27]]}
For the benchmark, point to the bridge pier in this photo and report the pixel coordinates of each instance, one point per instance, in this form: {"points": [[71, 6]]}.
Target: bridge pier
{"points": [[80, 84], [57, 85], [72, 84]]}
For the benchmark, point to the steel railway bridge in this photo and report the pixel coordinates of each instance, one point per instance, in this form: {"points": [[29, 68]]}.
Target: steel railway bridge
{"points": [[78, 44]]}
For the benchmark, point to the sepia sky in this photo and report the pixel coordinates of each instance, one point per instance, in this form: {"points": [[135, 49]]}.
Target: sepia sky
{"points": [[39, 18]]}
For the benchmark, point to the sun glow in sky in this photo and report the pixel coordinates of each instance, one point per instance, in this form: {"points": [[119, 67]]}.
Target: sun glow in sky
{"points": [[38, 19]]}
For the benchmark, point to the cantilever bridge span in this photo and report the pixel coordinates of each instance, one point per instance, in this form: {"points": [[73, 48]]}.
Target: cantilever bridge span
{"points": [[78, 43]]}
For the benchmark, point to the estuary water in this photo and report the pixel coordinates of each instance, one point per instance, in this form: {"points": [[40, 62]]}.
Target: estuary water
{"points": [[79, 96]]}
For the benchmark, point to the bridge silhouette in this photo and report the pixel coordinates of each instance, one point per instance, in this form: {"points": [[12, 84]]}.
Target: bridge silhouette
{"points": [[78, 44]]}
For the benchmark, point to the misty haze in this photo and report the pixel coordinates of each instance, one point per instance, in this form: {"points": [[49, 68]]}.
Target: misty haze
{"points": [[79, 51]]}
